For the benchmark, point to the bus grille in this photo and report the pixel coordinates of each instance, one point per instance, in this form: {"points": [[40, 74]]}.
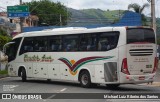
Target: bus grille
{"points": [[141, 52]]}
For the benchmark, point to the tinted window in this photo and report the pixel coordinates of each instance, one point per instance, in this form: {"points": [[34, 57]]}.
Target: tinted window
{"points": [[12, 49], [140, 35], [108, 41], [27, 45], [55, 43], [70, 42], [88, 42], [40, 44], [102, 41]]}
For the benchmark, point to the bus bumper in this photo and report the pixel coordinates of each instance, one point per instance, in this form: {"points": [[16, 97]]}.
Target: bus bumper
{"points": [[11, 71], [135, 79]]}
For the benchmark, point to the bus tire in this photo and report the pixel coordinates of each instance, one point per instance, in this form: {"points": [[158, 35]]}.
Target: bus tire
{"points": [[23, 75], [112, 86], [85, 79], [48, 80], [94, 85]]}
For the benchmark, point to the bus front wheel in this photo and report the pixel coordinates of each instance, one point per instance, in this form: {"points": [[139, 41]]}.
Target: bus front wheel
{"points": [[23, 75], [85, 79]]}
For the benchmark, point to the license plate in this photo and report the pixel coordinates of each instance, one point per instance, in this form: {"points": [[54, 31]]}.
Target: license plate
{"points": [[141, 78]]}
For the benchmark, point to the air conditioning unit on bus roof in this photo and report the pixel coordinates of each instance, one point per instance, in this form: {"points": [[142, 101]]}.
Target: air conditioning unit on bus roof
{"points": [[69, 28]]}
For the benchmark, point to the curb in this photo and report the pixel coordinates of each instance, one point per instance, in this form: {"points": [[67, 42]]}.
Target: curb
{"points": [[3, 75]]}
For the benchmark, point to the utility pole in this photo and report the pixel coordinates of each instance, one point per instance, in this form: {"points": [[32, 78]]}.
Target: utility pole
{"points": [[21, 19], [60, 19], [153, 17], [119, 13]]}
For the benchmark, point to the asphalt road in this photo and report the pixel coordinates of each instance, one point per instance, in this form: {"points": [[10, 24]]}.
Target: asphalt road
{"points": [[43, 86]]}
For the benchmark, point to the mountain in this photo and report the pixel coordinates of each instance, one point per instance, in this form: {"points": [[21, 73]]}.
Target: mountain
{"points": [[113, 14], [93, 17]]}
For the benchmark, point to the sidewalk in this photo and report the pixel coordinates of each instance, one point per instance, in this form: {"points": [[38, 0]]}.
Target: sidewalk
{"points": [[3, 76], [157, 77]]}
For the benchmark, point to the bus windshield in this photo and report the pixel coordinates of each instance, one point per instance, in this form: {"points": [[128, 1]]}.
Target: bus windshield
{"points": [[11, 49], [135, 35]]}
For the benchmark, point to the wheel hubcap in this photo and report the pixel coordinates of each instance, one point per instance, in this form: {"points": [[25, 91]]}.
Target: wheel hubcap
{"points": [[84, 79]]}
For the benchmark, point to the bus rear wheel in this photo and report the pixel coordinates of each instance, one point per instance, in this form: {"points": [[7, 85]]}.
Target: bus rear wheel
{"points": [[85, 79], [112, 86], [23, 75]]}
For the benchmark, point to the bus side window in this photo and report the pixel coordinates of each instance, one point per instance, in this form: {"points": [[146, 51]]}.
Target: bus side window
{"points": [[83, 45], [88, 42], [55, 43], [103, 44], [40, 44], [91, 45], [70, 43], [27, 45], [108, 41]]}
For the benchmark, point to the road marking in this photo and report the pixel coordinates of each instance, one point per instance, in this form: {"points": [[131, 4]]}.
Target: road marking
{"points": [[50, 97], [63, 89], [13, 86], [4, 78]]}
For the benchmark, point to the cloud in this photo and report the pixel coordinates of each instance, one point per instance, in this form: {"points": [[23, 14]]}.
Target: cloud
{"points": [[5, 3], [108, 4], [102, 4]]}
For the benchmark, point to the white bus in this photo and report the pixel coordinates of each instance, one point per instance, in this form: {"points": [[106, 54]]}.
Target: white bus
{"points": [[106, 55]]}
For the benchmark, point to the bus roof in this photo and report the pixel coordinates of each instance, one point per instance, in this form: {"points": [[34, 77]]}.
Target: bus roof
{"points": [[60, 31], [66, 30]]}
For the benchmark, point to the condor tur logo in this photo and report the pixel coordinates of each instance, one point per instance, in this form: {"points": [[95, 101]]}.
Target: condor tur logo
{"points": [[74, 66], [36, 58]]}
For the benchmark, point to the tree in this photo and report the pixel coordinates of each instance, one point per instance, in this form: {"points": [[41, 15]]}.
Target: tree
{"points": [[139, 9], [2, 32], [48, 12], [4, 38]]}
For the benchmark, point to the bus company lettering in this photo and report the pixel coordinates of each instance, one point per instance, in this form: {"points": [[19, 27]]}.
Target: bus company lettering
{"points": [[36, 58]]}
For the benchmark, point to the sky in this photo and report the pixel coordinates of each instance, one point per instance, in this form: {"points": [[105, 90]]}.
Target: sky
{"points": [[97, 4]]}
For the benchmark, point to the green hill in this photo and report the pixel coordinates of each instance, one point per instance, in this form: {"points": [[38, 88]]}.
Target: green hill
{"points": [[101, 14], [94, 16], [98, 16]]}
